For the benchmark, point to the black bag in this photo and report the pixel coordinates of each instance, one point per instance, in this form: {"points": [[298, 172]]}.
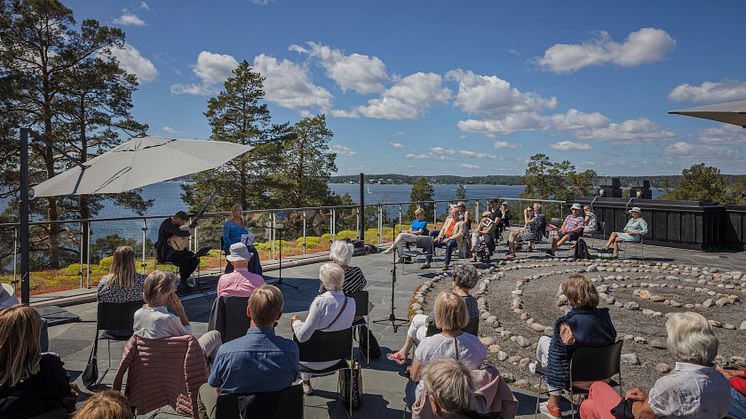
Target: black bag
{"points": [[623, 410], [581, 250], [90, 374], [359, 247], [351, 378], [375, 349]]}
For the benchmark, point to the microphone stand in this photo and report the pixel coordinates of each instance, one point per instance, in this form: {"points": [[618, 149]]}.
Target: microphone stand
{"points": [[278, 282], [392, 316]]}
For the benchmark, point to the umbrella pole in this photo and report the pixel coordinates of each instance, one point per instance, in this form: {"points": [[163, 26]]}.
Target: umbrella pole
{"points": [[23, 214]]}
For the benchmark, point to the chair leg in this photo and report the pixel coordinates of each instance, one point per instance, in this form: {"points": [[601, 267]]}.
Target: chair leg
{"points": [[538, 396]]}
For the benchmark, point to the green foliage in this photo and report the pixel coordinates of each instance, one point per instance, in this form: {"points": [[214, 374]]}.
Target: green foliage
{"points": [[311, 241], [545, 179], [105, 263], [700, 183], [460, 192], [737, 191], [346, 234], [105, 246], [422, 191]]}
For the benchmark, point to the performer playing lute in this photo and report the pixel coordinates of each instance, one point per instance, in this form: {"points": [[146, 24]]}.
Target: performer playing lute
{"points": [[172, 245]]}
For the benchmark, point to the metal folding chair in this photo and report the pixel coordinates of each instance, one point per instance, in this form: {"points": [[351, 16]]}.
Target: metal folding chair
{"points": [[114, 317]]}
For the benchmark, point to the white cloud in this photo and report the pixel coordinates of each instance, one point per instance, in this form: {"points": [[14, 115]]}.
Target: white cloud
{"points": [[358, 72], [701, 152], [569, 145], [128, 19], [648, 45], [169, 130], [477, 155], [396, 145], [510, 123], [513, 51], [261, 2], [469, 166], [500, 145], [575, 120], [726, 134], [442, 153], [212, 69], [629, 131], [144, 5], [132, 61], [409, 98], [428, 156], [709, 92], [289, 84], [342, 150], [492, 96]]}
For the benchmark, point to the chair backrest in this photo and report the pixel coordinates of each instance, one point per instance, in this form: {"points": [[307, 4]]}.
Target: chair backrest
{"points": [[472, 327], [284, 404], [361, 303], [601, 227], [557, 222], [116, 316], [228, 316], [326, 346], [596, 363]]}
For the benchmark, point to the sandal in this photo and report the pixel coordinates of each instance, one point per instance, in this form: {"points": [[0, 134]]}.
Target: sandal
{"points": [[396, 357]]}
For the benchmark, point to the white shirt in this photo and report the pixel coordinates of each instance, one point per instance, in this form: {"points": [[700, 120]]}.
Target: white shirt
{"points": [[471, 351], [158, 323], [690, 391]]}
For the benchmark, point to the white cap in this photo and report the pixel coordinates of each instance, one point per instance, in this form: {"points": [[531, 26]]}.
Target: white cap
{"points": [[239, 251], [8, 296], [576, 206], [635, 209]]}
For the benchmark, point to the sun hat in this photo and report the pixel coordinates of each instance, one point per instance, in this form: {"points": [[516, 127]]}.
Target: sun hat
{"points": [[487, 214], [634, 209], [505, 203], [8, 296], [239, 251], [576, 206]]}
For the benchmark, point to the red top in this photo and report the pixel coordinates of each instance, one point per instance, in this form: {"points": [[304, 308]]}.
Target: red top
{"points": [[739, 384]]}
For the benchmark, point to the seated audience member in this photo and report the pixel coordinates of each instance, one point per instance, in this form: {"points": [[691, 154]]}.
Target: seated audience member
{"points": [[464, 280], [532, 231], [503, 223], [591, 221], [329, 312], [108, 404], [451, 316], [418, 228], [585, 325], [8, 299], [634, 230], [450, 390], [31, 383], [483, 234], [452, 231], [572, 229], [737, 380], [239, 282], [694, 389], [123, 284], [354, 281], [256, 363], [154, 321]]}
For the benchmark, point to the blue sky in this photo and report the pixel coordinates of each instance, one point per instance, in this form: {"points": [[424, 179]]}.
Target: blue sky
{"points": [[463, 88]]}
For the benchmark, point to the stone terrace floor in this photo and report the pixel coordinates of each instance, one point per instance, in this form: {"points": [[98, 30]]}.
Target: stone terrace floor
{"points": [[383, 382]]}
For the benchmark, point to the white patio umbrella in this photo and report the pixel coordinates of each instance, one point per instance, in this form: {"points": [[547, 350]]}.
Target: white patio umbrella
{"points": [[730, 112], [140, 162]]}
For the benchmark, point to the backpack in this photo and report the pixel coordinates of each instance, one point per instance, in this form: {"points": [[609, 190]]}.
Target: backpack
{"points": [[581, 250], [359, 246]]}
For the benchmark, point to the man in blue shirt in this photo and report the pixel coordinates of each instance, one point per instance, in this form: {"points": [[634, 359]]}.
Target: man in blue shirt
{"points": [[256, 363]]}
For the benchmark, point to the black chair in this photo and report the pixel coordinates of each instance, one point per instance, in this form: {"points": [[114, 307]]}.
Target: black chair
{"points": [[590, 364], [361, 310], [472, 327], [328, 346], [283, 404], [111, 317], [423, 246], [600, 232], [228, 316]]}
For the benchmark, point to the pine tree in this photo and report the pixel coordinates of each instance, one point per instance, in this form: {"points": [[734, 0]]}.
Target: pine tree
{"points": [[700, 183], [420, 196], [460, 192]]}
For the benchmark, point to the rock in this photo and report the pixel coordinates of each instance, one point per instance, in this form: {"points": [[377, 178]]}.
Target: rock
{"points": [[522, 342], [521, 383], [524, 362], [628, 337], [537, 327], [644, 294], [508, 377], [641, 340], [524, 316], [491, 320], [715, 323], [505, 335], [591, 268], [729, 326], [631, 359], [663, 368], [494, 349], [658, 344], [708, 303], [487, 341], [657, 298], [631, 305], [648, 312], [548, 331], [485, 315], [722, 302], [514, 359], [561, 301], [532, 368], [502, 355], [675, 303], [743, 325]]}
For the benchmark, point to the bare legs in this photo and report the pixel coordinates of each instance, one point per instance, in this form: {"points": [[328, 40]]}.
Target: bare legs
{"points": [[613, 241]]}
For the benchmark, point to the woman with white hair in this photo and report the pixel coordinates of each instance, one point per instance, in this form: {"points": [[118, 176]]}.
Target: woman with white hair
{"points": [[634, 230], [329, 312], [694, 389], [354, 281]]}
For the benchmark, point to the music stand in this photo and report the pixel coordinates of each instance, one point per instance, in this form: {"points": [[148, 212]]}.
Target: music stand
{"points": [[278, 281], [392, 316]]}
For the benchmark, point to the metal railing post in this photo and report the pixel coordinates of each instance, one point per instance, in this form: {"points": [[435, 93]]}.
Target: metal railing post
{"points": [[272, 244], [88, 258], [400, 215], [435, 215], [357, 222], [380, 223], [191, 241], [80, 265], [332, 226], [144, 239], [15, 258], [304, 233]]}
